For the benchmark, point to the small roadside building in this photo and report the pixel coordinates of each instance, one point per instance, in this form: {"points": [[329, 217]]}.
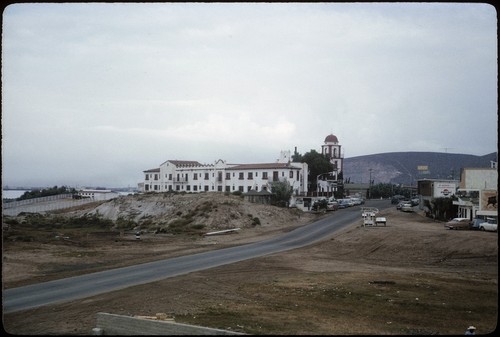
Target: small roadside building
{"points": [[259, 197], [362, 190], [98, 194], [430, 189], [478, 193], [436, 188]]}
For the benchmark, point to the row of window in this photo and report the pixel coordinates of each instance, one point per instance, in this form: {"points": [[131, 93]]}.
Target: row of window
{"points": [[194, 188], [183, 177]]}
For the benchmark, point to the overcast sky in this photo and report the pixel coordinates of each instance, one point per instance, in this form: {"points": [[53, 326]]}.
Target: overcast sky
{"points": [[94, 94]]}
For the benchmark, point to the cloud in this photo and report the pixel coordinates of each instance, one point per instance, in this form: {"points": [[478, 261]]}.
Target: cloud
{"points": [[141, 83]]}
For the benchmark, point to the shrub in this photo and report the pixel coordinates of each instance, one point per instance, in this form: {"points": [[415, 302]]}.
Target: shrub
{"points": [[197, 226]]}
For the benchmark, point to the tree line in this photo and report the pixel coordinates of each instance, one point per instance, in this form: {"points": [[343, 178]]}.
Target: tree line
{"points": [[45, 192]]}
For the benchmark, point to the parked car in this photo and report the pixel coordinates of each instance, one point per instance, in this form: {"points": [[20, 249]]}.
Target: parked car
{"points": [[355, 201], [407, 207], [343, 203], [402, 203], [332, 205], [476, 222], [458, 223], [490, 225], [396, 199], [319, 204]]}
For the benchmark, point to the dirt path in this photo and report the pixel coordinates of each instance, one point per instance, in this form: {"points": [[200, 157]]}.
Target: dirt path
{"points": [[410, 277]]}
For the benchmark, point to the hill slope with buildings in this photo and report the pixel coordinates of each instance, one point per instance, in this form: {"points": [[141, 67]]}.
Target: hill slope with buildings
{"points": [[403, 167]]}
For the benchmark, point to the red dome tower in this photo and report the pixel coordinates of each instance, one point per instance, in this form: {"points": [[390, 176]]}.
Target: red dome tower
{"points": [[332, 150]]}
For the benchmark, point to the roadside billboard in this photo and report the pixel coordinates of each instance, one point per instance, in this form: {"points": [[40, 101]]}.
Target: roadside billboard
{"points": [[444, 189], [488, 200]]}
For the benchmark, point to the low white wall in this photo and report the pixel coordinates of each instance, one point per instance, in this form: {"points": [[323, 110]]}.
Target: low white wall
{"points": [[111, 324]]}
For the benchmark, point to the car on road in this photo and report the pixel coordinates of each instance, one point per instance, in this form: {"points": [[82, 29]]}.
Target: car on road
{"points": [[458, 223], [490, 225]]}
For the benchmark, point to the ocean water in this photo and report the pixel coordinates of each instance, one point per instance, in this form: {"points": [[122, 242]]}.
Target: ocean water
{"points": [[12, 194]]}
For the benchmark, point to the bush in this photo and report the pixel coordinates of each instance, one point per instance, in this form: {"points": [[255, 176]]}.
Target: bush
{"points": [[122, 223], [198, 226]]}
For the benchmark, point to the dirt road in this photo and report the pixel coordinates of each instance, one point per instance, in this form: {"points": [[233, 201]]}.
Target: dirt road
{"points": [[410, 277]]}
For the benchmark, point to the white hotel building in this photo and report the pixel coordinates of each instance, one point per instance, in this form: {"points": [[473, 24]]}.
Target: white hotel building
{"points": [[191, 176]]}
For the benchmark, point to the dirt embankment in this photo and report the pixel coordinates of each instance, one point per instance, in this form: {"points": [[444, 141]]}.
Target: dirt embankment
{"points": [[410, 277]]}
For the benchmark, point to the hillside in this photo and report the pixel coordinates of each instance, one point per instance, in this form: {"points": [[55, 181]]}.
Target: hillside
{"points": [[401, 167]]}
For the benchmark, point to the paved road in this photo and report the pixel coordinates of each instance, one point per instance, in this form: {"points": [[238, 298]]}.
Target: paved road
{"points": [[78, 287]]}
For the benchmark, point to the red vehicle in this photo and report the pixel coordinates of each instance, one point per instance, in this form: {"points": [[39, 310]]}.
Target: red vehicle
{"points": [[458, 223]]}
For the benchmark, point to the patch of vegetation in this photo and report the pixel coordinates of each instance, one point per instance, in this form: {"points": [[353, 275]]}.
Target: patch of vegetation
{"points": [[179, 226], [10, 221], [146, 223], [50, 222], [207, 206], [282, 192], [37, 193], [319, 205], [22, 238], [89, 220], [441, 208], [122, 223], [198, 226]]}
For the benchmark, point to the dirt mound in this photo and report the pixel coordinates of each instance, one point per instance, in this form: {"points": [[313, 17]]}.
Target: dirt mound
{"points": [[208, 211]]}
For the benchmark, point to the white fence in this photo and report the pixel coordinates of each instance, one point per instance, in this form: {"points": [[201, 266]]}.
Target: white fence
{"points": [[18, 203], [43, 204]]}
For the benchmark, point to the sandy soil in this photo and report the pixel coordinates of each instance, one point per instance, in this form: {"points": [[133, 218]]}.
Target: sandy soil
{"points": [[411, 277]]}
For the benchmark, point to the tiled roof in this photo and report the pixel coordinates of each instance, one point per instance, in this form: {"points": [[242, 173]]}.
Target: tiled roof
{"points": [[331, 139], [262, 192], [184, 162], [267, 166], [153, 170]]}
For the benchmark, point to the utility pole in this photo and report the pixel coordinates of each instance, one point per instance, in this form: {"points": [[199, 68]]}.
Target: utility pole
{"points": [[370, 185]]}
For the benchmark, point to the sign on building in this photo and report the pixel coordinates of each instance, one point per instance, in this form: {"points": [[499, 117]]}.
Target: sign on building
{"points": [[488, 201], [444, 189]]}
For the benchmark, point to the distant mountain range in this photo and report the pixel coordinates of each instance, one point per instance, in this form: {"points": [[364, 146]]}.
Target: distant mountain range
{"points": [[407, 167]]}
